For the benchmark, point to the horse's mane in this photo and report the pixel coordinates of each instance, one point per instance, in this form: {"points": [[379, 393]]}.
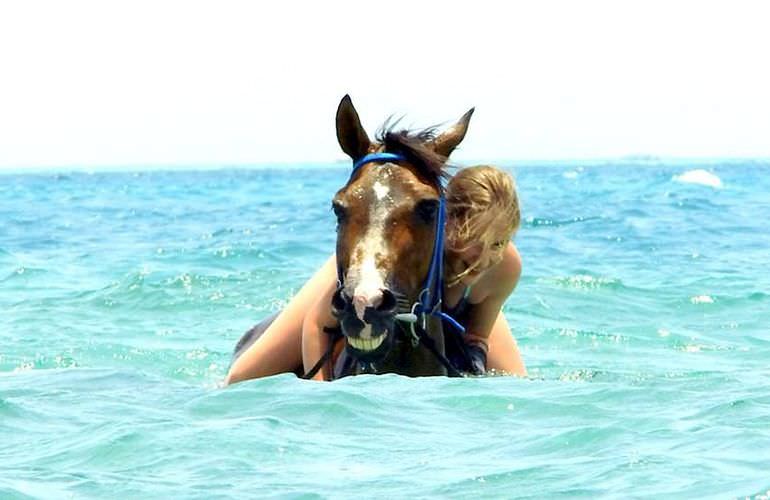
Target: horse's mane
{"points": [[414, 145]]}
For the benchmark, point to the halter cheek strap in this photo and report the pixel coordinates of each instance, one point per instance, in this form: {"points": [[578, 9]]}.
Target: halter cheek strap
{"points": [[434, 285]]}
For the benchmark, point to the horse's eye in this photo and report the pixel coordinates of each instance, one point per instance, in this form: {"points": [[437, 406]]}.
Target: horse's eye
{"points": [[426, 210], [339, 211]]}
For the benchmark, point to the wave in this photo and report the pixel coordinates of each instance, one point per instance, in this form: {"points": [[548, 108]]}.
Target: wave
{"points": [[544, 221], [585, 282], [23, 273], [699, 177]]}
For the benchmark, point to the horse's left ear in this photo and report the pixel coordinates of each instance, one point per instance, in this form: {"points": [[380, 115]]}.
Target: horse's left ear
{"points": [[350, 134], [448, 140]]}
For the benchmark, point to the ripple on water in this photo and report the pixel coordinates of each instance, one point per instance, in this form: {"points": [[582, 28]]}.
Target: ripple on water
{"points": [[23, 274], [585, 282], [534, 222]]}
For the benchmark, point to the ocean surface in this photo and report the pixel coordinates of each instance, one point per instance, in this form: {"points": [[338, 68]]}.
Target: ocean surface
{"points": [[643, 315]]}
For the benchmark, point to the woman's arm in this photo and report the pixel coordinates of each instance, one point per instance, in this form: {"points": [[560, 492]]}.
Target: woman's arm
{"points": [[279, 349], [315, 340], [486, 325], [504, 355]]}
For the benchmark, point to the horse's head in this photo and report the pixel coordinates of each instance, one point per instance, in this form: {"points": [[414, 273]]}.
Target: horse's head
{"points": [[386, 226]]}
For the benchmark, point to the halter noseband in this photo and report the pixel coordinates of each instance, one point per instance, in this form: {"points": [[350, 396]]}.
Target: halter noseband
{"points": [[430, 297]]}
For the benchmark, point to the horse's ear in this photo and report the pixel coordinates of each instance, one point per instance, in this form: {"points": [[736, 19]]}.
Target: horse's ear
{"points": [[448, 140], [350, 133]]}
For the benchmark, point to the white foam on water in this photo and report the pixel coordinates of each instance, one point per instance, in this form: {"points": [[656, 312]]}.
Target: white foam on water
{"points": [[700, 177], [702, 299]]}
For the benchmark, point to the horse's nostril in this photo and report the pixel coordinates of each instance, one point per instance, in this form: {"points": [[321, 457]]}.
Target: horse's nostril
{"points": [[339, 302], [388, 303]]}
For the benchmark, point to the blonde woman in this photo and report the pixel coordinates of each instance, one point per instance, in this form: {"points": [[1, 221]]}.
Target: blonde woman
{"points": [[482, 268]]}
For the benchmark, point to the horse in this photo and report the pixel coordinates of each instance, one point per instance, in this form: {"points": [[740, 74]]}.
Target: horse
{"points": [[390, 229]]}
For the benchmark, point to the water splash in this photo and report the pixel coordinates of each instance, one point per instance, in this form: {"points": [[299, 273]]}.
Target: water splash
{"points": [[700, 177]]}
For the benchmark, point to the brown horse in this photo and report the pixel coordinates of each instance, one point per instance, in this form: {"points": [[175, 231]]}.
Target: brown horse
{"points": [[389, 250]]}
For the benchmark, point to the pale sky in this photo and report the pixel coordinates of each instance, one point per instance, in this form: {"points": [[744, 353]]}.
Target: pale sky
{"points": [[210, 83]]}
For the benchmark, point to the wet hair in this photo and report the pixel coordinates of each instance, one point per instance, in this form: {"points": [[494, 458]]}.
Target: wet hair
{"points": [[481, 201]]}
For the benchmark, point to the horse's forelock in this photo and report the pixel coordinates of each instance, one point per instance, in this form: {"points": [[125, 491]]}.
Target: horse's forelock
{"points": [[415, 147]]}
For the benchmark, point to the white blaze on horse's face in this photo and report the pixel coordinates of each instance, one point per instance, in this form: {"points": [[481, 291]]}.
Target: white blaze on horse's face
{"points": [[365, 281]]}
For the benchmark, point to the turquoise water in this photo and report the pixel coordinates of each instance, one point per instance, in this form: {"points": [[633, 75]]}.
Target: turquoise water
{"points": [[642, 315]]}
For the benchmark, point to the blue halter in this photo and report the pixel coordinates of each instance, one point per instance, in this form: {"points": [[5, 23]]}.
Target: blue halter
{"points": [[430, 298], [382, 157]]}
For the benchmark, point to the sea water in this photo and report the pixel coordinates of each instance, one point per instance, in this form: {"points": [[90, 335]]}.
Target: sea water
{"points": [[642, 314]]}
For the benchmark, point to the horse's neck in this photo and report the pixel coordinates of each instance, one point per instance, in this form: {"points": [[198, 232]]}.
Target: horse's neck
{"points": [[419, 361]]}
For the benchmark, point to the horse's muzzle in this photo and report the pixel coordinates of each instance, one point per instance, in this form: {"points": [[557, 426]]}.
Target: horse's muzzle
{"points": [[372, 338]]}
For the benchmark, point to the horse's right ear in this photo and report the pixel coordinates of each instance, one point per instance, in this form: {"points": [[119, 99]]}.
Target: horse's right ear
{"points": [[350, 133], [446, 142]]}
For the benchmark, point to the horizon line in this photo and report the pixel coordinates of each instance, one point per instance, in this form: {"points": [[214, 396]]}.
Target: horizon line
{"points": [[640, 159]]}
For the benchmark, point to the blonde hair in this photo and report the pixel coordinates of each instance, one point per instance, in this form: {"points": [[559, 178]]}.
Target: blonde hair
{"points": [[481, 202]]}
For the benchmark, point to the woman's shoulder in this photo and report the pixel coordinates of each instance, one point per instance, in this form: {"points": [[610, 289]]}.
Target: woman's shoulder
{"points": [[501, 279], [511, 263]]}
